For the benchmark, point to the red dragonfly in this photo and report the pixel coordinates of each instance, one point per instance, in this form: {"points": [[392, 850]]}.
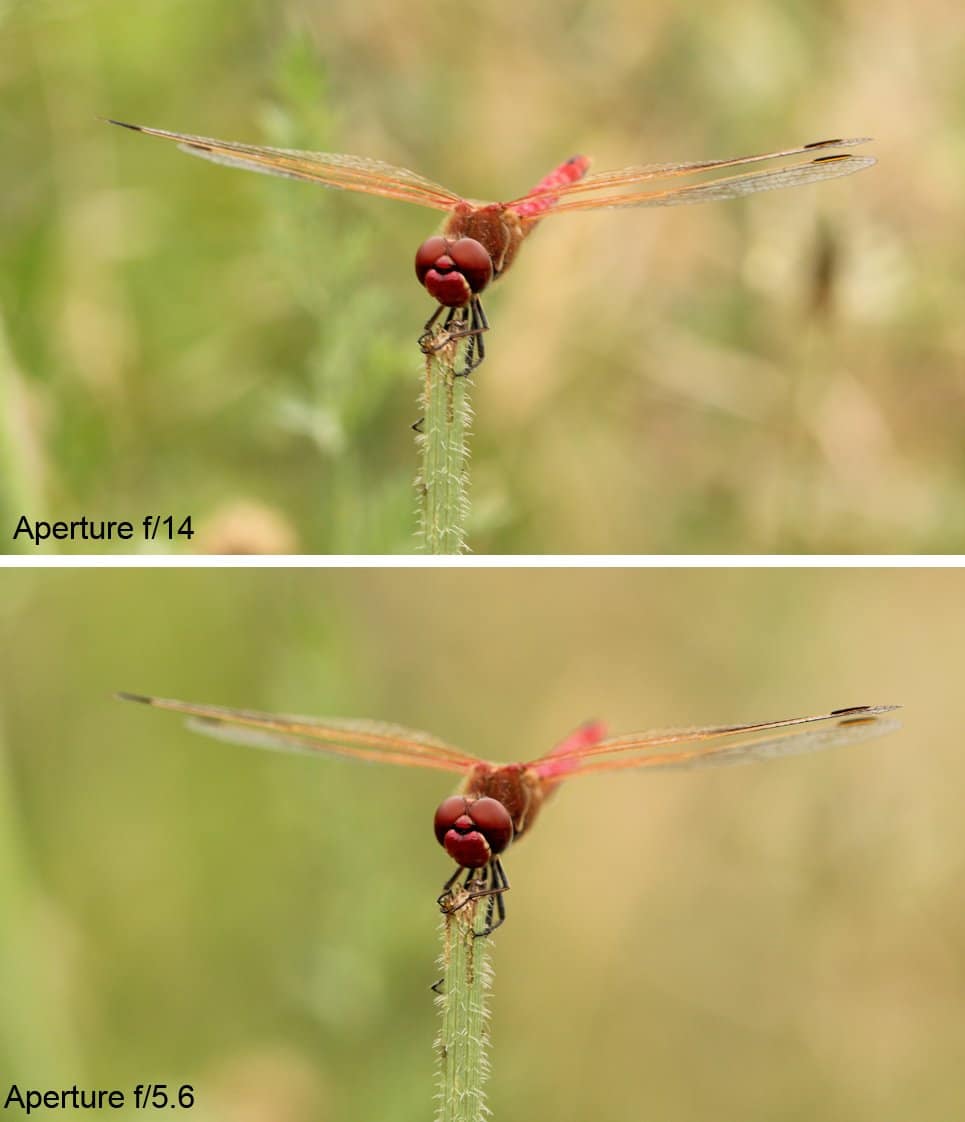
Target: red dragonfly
{"points": [[498, 803], [479, 241]]}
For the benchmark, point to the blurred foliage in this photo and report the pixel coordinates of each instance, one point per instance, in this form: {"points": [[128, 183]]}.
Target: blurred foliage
{"points": [[778, 374], [782, 941]]}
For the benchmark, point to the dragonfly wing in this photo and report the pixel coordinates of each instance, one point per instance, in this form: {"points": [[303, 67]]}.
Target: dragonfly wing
{"points": [[730, 187], [727, 744], [330, 169], [357, 739], [630, 177], [830, 735]]}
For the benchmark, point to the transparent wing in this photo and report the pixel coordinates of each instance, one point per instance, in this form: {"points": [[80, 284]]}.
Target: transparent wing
{"points": [[608, 189], [346, 173], [722, 745], [361, 740]]}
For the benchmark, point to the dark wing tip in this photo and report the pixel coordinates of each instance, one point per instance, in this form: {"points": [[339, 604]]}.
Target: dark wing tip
{"points": [[838, 142], [123, 695], [121, 124], [863, 711]]}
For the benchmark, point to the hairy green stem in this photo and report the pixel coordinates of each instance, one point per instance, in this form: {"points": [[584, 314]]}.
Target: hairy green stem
{"points": [[443, 484], [464, 1037]]}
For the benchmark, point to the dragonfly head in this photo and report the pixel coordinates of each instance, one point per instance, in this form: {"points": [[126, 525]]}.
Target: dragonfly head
{"points": [[473, 831], [453, 270]]}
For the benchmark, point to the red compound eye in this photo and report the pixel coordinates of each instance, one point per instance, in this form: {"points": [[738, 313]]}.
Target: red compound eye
{"points": [[473, 831], [428, 254], [453, 271], [492, 820], [473, 262], [446, 816]]}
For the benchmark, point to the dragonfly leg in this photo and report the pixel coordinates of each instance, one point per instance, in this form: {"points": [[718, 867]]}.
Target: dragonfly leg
{"points": [[490, 882], [476, 349], [446, 895], [427, 328], [496, 905], [468, 322], [490, 901], [428, 340], [475, 331]]}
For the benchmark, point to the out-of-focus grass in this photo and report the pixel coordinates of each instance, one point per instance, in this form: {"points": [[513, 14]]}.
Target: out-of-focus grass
{"points": [[777, 941], [783, 373]]}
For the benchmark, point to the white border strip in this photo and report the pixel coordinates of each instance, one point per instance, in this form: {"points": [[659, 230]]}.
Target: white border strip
{"points": [[523, 561]]}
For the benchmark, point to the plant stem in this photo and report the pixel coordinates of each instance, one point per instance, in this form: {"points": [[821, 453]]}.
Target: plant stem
{"points": [[464, 1037], [443, 484]]}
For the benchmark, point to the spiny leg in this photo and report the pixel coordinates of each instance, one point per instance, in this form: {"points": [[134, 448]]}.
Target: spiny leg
{"points": [[466, 322], [476, 347], [481, 325], [471, 343], [428, 342], [427, 328], [490, 905], [447, 887], [498, 884], [490, 881], [472, 887]]}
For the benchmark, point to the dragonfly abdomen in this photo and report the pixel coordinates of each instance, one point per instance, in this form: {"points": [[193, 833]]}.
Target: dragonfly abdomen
{"points": [[543, 199]]}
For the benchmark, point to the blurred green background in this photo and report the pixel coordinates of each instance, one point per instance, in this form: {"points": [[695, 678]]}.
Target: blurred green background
{"points": [[778, 374], [782, 941]]}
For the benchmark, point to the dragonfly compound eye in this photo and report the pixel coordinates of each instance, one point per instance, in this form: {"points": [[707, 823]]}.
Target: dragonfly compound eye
{"points": [[473, 831], [473, 261], [453, 271]]}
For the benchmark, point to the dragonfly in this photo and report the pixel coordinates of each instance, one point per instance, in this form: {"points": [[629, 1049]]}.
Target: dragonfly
{"points": [[497, 804], [479, 241]]}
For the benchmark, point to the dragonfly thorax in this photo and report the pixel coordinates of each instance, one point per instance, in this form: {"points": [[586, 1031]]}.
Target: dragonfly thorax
{"points": [[453, 270], [473, 830]]}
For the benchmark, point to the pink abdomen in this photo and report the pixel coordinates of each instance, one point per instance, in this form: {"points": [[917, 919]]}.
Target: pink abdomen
{"points": [[552, 769], [574, 169]]}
